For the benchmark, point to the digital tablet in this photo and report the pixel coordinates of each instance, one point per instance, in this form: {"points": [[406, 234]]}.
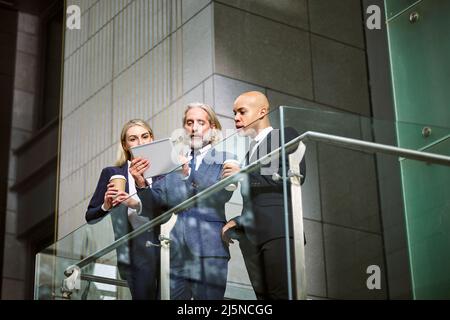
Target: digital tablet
{"points": [[161, 154]]}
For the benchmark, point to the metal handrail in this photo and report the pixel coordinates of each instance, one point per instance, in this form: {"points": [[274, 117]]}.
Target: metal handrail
{"points": [[349, 143], [360, 145], [105, 280]]}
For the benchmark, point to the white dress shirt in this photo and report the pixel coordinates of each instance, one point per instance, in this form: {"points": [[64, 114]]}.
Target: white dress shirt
{"points": [[259, 137], [199, 155]]}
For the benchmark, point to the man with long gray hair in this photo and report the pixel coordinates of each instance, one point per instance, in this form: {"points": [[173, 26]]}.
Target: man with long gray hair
{"points": [[198, 256]]}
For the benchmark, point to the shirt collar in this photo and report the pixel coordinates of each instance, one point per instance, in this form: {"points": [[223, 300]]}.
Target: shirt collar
{"points": [[204, 150], [260, 136]]}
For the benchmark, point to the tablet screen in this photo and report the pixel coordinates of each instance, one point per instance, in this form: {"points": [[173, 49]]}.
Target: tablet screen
{"points": [[161, 154]]}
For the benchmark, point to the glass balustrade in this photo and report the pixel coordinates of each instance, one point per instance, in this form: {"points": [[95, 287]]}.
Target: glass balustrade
{"points": [[368, 233]]}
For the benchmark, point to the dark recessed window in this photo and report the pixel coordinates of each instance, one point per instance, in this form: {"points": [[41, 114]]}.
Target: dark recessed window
{"points": [[51, 45]]}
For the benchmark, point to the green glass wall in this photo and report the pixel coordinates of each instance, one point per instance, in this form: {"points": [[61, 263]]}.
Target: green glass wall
{"points": [[419, 44]]}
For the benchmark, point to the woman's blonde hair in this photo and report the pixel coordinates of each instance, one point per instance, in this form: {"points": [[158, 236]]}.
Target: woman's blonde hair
{"points": [[123, 154], [216, 131]]}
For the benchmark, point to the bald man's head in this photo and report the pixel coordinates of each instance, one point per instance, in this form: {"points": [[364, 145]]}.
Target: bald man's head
{"points": [[254, 99], [250, 110]]}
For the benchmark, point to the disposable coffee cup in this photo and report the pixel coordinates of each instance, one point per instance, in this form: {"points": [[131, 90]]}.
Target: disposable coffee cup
{"points": [[231, 186], [119, 182]]}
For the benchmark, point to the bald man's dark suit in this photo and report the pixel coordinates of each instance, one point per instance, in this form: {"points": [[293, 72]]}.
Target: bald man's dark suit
{"points": [[261, 226]]}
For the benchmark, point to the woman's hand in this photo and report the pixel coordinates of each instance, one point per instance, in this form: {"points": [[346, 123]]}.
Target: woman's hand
{"points": [[110, 194], [137, 169], [123, 197]]}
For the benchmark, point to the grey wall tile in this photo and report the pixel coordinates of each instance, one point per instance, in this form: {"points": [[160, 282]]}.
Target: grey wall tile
{"points": [[26, 68], [125, 52], [340, 20], [391, 203], [44, 193], [378, 63], [349, 188], [176, 65], [171, 118], [11, 222], [28, 23], [36, 156], [76, 38], [27, 43], [208, 92], [84, 4], [99, 60], [194, 95], [11, 199], [12, 166], [191, 7], [23, 111], [143, 90], [311, 188], [348, 253], [175, 14], [92, 122], [305, 115], [399, 275], [292, 12], [227, 126], [314, 259], [72, 190], [101, 12], [18, 137], [340, 77], [197, 49], [71, 220], [277, 99], [262, 52]]}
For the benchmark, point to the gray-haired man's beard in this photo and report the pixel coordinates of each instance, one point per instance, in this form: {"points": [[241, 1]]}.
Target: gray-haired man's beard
{"points": [[199, 142]]}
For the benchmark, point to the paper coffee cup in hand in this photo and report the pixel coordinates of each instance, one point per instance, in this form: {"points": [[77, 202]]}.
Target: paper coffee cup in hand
{"points": [[119, 182], [231, 186]]}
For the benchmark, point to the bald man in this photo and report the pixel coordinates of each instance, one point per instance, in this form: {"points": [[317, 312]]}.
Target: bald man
{"points": [[260, 228]]}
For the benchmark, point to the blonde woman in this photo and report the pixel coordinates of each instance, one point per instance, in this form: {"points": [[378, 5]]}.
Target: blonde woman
{"points": [[138, 264]]}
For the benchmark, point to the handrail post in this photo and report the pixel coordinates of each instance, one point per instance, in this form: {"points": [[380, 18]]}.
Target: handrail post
{"points": [[164, 238], [297, 221]]}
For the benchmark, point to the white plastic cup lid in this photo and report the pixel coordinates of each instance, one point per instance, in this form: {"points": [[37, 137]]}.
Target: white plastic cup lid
{"points": [[118, 176]]}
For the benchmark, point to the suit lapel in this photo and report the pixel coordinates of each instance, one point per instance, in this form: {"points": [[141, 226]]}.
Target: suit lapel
{"points": [[263, 148], [205, 166]]}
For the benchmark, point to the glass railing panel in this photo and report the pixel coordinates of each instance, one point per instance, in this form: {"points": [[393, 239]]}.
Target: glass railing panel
{"points": [[103, 280], [77, 245], [427, 206], [49, 275], [352, 220], [414, 135], [237, 281], [369, 209], [395, 7]]}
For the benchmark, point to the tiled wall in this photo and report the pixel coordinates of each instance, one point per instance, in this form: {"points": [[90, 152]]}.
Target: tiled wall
{"points": [[148, 59]]}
